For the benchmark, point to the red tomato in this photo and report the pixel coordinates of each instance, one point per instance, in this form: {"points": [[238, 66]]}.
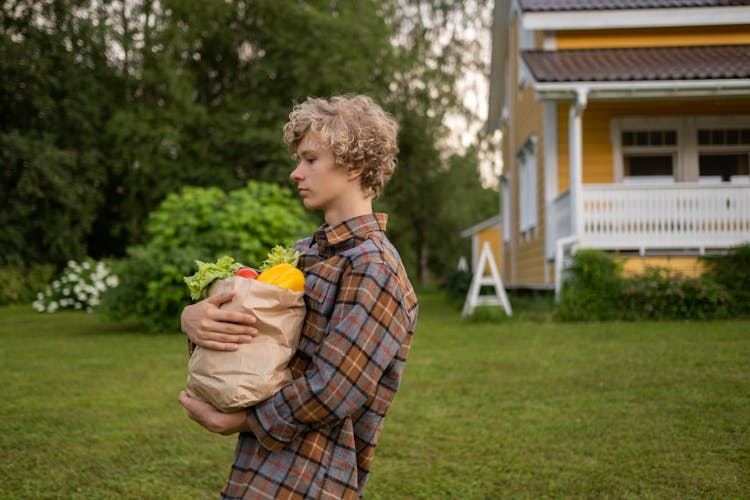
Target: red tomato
{"points": [[247, 272]]}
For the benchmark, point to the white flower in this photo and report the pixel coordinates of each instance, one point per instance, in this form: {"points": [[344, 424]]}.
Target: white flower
{"points": [[86, 265], [100, 286], [71, 263], [112, 281], [77, 305], [40, 296], [56, 285], [38, 306], [94, 301], [52, 307], [66, 291], [81, 297]]}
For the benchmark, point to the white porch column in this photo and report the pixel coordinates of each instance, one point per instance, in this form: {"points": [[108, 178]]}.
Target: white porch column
{"points": [[575, 160]]}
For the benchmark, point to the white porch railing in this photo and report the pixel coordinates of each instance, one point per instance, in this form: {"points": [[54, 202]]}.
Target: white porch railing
{"points": [[641, 217], [558, 222], [665, 216]]}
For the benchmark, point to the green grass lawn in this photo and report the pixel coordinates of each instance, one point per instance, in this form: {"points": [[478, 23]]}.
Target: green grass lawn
{"points": [[518, 409]]}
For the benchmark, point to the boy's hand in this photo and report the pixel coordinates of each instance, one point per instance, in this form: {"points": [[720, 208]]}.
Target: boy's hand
{"points": [[211, 418], [208, 326]]}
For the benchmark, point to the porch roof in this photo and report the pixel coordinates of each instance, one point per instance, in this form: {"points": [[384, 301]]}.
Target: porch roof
{"points": [[577, 5], [691, 63]]}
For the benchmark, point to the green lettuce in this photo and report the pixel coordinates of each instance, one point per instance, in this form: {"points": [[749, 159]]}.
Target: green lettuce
{"points": [[208, 272], [281, 255]]}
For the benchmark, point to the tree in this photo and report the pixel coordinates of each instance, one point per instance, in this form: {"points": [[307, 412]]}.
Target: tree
{"points": [[435, 192], [109, 106], [53, 100]]}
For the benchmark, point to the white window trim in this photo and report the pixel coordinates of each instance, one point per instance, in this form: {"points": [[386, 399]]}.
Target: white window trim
{"points": [[505, 200], [686, 151], [528, 217]]}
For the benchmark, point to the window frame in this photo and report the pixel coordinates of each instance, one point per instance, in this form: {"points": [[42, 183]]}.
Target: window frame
{"points": [[687, 151]]}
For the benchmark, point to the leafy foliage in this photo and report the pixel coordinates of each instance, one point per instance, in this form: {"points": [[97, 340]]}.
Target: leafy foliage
{"points": [[596, 290], [659, 293], [201, 224], [20, 284], [79, 286], [732, 271], [592, 288], [107, 107]]}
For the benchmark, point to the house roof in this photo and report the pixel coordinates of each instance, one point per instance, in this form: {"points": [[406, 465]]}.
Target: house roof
{"points": [[568, 5], [640, 64], [494, 221]]}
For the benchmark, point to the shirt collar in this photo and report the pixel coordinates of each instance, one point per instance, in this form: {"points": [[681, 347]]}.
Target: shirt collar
{"points": [[327, 237]]}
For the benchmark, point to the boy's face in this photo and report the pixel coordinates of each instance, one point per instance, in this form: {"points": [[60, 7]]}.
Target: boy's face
{"points": [[320, 182]]}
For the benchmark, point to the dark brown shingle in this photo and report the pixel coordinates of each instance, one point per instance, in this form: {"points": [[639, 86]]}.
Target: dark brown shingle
{"points": [[640, 64], [566, 5]]}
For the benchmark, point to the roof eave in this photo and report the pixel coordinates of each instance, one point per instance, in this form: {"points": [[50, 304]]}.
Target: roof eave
{"points": [[494, 221], [635, 18], [557, 91]]}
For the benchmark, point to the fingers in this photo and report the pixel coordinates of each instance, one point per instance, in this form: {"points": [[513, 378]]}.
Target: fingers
{"points": [[223, 342], [220, 299], [232, 317]]}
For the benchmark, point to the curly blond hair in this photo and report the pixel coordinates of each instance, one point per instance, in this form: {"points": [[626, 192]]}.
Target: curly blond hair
{"points": [[361, 135]]}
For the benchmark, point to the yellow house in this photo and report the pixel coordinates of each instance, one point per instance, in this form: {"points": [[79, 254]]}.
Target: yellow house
{"points": [[488, 231], [626, 127]]}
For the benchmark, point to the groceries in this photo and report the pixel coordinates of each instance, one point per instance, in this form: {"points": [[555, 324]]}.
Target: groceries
{"points": [[234, 380]]}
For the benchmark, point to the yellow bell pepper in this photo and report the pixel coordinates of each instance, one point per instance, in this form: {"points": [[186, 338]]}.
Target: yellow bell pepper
{"points": [[284, 275]]}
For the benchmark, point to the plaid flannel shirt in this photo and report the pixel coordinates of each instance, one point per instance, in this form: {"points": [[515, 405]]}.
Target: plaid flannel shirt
{"points": [[316, 437]]}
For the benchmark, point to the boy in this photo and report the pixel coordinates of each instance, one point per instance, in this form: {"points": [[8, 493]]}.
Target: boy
{"points": [[316, 437]]}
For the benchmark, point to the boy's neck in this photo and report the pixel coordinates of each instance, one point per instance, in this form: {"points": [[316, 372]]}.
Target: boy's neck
{"points": [[335, 216]]}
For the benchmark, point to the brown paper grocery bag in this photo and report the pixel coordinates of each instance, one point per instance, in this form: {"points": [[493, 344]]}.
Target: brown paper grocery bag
{"points": [[234, 380]]}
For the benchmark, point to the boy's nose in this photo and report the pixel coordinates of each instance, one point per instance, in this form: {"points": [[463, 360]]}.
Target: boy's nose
{"points": [[295, 175]]}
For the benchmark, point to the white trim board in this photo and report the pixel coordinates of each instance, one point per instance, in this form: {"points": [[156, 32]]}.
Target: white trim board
{"points": [[635, 18]]}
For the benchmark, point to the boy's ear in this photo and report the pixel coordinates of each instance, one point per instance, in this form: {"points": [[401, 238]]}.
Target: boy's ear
{"points": [[356, 170]]}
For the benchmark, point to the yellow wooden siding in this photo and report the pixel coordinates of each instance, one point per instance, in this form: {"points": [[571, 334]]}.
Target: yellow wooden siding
{"points": [[494, 237], [653, 37], [530, 262], [597, 141], [529, 249], [686, 265]]}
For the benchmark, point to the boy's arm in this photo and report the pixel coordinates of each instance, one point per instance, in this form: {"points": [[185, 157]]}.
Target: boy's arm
{"points": [[364, 335]]}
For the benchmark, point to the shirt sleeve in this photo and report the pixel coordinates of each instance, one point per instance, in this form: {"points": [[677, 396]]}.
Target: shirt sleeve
{"points": [[362, 338]]}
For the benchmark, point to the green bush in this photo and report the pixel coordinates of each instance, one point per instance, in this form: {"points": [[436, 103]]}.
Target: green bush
{"points": [[456, 283], [732, 271], [487, 314], [79, 286], [592, 288], [20, 285], [203, 224], [659, 293]]}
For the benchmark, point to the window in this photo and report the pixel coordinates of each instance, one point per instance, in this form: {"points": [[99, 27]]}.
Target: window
{"points": [[648, 155], [723, 154], [527, 185], [705, 149]]}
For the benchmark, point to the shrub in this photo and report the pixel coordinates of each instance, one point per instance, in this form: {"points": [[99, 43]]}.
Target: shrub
{"points": [[456, 283], [732, 271], [659, 293], [592, 288], [20, 284], [487, 314], [203, 224], [80, 286]]}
